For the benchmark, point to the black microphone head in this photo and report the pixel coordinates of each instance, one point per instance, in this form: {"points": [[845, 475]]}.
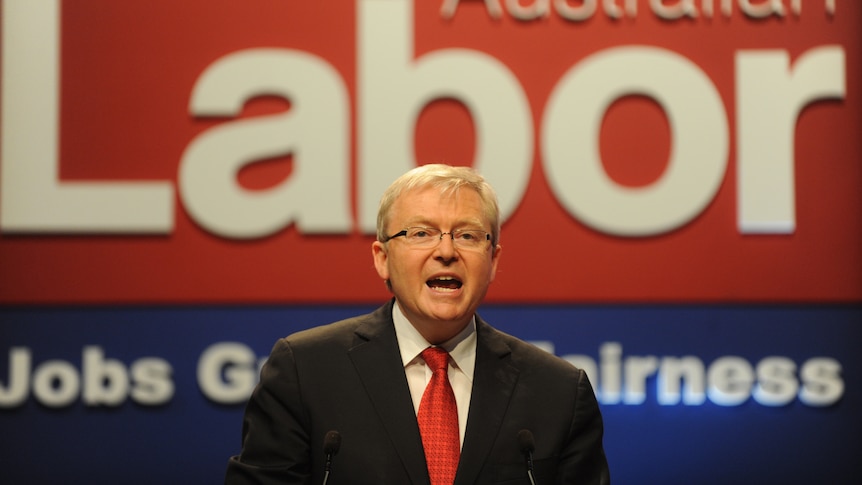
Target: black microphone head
{"points": [[331, 442], [525, 441]]}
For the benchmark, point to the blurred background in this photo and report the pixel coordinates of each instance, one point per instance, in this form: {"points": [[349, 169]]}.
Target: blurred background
{"points": [[182, 183]]}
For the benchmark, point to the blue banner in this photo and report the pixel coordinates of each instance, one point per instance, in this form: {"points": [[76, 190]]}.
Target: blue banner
{"points": [[689, 394]]}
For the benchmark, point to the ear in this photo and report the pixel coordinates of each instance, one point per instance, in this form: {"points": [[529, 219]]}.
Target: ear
{"points": [[495, 258], [381, 258]]}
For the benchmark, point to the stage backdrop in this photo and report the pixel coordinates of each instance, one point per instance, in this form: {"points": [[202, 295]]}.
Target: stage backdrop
{"points": [[181, 183]]}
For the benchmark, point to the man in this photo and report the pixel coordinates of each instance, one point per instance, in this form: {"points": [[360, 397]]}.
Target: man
{"points": [[519, 413]]}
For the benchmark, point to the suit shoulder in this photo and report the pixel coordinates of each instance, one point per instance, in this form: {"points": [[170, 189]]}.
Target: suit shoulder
{"points": [[342, 333], [336, 333], [528, 356]]}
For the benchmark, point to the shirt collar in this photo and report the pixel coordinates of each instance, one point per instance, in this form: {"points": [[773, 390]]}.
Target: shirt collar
{"points": [[461, 347]]}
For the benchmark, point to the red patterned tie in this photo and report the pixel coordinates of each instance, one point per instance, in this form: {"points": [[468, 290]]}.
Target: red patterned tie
{"points": [[438, 420]]}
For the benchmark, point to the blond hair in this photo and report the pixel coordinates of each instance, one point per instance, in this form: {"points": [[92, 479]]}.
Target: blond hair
{"points": [[449, 180]]}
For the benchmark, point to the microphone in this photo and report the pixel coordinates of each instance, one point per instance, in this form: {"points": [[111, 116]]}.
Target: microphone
{"points": [[331, 445], [527, 445]]}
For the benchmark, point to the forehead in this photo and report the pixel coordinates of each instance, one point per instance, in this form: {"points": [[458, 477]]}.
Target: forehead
{"points": [[431, 205]]}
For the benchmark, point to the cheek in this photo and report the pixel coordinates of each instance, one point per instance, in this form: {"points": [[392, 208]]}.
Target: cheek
{"points": [[405, 268]]}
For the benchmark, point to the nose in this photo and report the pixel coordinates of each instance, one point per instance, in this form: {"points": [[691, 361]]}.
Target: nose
{"points": [[445, 249]]}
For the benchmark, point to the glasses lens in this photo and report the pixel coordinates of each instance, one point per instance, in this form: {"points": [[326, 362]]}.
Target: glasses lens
{"points": [[423, 236], [469, 239]]}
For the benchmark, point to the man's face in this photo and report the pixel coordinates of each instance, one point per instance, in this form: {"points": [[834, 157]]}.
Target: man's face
{"points": [[437, 288]]}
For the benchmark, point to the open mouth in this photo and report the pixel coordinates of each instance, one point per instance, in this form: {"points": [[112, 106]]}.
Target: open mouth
{"points": [[444, 283]]}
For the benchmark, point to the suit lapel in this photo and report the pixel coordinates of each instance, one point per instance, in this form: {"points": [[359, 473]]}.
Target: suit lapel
{"points": [[494, 380], [378, 362]]}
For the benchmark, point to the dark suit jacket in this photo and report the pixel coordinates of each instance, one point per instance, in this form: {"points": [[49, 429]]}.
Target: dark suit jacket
{"points": [[349, 377]]}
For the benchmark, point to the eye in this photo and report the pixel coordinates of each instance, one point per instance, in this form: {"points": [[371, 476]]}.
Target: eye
{"points": [[473, 236], [420, 233]]}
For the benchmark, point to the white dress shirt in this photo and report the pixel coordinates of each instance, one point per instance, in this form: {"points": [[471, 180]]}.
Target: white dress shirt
{"points": [[462, 362]]}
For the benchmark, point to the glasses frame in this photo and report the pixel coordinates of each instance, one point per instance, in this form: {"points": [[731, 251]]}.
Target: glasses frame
{"points": [[451, 234]]}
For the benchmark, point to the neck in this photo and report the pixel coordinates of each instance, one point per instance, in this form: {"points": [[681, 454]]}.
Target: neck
{"points": [[438, 332]]}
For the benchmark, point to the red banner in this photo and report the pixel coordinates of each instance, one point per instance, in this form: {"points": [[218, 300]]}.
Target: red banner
{"points": [[200, 152]]}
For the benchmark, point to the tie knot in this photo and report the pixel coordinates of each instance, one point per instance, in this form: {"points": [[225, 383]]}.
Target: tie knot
{"points": [[436, 358]]}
